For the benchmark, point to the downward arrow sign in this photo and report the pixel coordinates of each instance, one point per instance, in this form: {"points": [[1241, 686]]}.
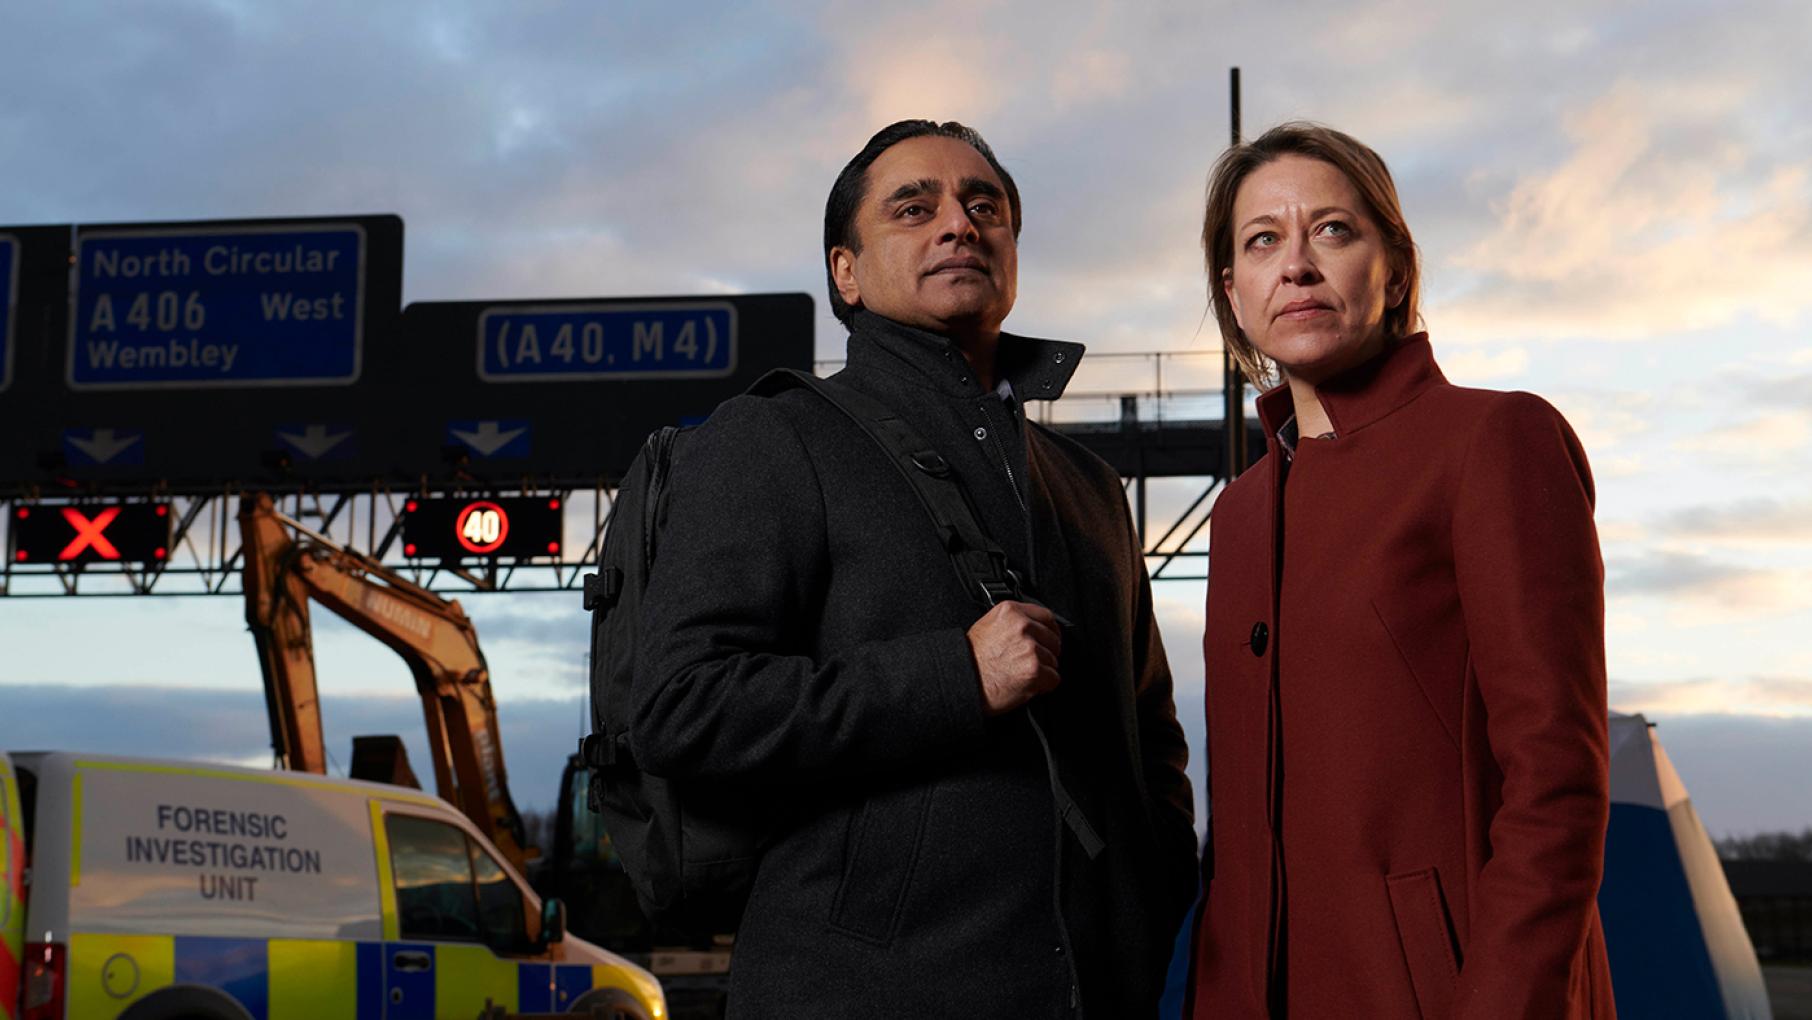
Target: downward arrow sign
{"points": [[314, 440], [487, 439], [101, 446]]}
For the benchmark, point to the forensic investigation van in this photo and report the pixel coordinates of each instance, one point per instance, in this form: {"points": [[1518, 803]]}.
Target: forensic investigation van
{"points": [[154, 890]]}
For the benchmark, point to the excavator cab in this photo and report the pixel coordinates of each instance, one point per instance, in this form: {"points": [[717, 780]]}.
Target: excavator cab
{"points": [[383, 759]]}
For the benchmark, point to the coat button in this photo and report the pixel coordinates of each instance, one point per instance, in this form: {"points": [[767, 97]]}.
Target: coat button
{"points": [[981, 433], [1261, 636]]}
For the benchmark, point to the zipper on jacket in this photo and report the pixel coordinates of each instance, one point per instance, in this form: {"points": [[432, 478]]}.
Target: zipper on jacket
{"points": [[1025, 511], [1006, 462], [1064, 947], [1058, 823]]}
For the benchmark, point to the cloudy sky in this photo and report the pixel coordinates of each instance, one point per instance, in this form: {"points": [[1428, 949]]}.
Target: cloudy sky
{"points": [[1612, 201]]}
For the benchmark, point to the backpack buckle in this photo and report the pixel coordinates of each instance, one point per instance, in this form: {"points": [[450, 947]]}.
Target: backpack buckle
{"points": [[1000, 583], [996, 592], [602, 588], [931, 462]]}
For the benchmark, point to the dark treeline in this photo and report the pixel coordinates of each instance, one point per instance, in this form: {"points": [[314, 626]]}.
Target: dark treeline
{"points": [[1767, 846]]}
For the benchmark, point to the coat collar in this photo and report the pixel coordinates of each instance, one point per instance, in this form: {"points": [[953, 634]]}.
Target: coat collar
{"points": [[1038, 369], [1365, 394]]}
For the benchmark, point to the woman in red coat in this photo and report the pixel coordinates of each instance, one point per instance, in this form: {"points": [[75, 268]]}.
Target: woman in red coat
{"points": [[1405, 642]]}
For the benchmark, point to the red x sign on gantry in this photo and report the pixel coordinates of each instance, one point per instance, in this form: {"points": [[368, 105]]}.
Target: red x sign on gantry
{"points": [[90, 533]]}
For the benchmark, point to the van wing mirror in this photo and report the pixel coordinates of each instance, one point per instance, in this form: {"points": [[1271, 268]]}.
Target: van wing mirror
{"points": [[553, 920]]}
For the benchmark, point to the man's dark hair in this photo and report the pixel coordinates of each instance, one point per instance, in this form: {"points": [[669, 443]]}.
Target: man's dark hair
{"points": [[852, 186]]}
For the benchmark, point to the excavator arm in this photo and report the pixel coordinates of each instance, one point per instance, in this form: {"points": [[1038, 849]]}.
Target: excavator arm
{"points": [[286, 566]]}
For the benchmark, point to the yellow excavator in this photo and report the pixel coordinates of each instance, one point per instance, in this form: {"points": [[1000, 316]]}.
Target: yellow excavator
{"points": [[287, 565]]}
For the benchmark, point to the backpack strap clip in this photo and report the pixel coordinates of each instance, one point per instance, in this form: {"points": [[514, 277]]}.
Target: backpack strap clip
{"points": [[988, 569], [602, 588], [599, 750], [931, 462]]}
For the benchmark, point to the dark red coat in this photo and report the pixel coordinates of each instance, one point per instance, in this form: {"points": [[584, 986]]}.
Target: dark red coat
{"points": [[1407, 757]]}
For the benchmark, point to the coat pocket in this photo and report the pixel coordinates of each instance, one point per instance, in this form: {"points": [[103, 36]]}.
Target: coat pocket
{"points": [[878, 862], [1426, 935]]}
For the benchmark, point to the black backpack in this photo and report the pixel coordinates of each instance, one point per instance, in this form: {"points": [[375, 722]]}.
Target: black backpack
{"points": [[689, 848]]}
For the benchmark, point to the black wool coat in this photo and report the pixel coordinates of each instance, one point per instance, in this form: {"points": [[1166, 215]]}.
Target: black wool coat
{"points": [[805, 638]]}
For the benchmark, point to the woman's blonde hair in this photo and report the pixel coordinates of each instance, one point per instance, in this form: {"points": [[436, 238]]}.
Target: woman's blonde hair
{"points": [[1369, 176]]}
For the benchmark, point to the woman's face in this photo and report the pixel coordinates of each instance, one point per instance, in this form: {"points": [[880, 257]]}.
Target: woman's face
{"points": [[1311, 277]]}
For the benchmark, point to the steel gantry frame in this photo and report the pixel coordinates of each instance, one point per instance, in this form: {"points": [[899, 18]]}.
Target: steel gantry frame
{"points": [[1147, 414], [205, 557]]}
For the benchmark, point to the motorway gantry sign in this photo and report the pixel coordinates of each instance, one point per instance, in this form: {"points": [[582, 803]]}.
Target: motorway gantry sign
{"points": [[680, 339], [186, 356], [89, 533], [482, 527], [570, 389], [202, 305]]}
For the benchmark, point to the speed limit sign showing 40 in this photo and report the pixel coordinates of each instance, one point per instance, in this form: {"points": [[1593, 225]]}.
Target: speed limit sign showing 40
{"points": [[482, 527], [489, 527]]}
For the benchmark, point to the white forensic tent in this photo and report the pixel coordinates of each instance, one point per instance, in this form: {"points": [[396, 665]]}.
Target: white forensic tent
{"points": [[1672, 929]]}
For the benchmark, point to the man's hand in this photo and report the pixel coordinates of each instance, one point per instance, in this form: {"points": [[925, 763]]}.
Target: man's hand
{"points": [[1015, 648]]}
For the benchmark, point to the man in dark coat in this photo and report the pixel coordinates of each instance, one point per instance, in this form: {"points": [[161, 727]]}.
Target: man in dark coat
{"points": [[808, 639]]}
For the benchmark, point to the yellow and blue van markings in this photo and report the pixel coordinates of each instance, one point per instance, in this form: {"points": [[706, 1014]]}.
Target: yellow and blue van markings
{"points": [[380, 845], [551, 987], [409, 980], [472, 973], [12, 892], [107, 973], [238, 967], [368, 994], [292, 979], [308, 979]]}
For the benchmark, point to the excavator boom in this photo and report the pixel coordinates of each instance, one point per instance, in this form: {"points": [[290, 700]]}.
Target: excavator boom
{"points": [[286, 566]]}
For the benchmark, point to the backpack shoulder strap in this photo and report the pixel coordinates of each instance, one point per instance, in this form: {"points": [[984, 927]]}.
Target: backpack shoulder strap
{"points": [[977, 557], [978, 560]]}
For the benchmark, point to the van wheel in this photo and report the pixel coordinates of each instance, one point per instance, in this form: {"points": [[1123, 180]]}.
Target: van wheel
{"points": [[609, 1004], [186, 1002]]}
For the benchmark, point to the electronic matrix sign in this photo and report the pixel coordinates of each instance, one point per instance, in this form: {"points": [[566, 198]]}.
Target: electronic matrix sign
{"points": [[484, 527], [90, 533]]}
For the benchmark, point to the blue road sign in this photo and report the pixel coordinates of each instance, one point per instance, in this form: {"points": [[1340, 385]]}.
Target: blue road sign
{"points": [[668, 340], [317, 442], [277, 305], [9, 301], [496, 440], [83, 447]]}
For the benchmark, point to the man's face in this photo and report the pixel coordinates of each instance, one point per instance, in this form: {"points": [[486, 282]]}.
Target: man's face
{"points": [[937, 241]]}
